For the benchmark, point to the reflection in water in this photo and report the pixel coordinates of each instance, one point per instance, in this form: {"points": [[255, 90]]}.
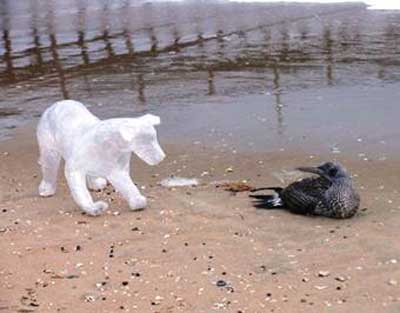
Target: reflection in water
{"points": [[128, 42], [81, 31], [221, 43], [105, 30], [38, 63], [284, 50], [83, 46], [54, 50], [278, 102], [391, 46], [154, 41], [211, 86], [343, 36], [148, 24], [141, 87], [303, 30], [5, 25], [198, 27], [327, 42], [126, 33], [248, 44], [172, 15], [7, 55], [117, 28]]}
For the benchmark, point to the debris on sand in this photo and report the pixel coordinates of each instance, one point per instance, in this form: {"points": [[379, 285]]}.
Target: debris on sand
{"points": [[229, 170], [235, 186], [175, 181], [323, 273], [392, 282], [90, 297], [340, 278]]}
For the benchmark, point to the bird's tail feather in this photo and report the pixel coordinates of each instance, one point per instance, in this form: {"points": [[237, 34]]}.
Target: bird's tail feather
{"points": [[278, 190], [268, 201]]}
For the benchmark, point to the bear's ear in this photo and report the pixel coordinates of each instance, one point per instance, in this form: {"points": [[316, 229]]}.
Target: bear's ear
{"points": [[126, 133], [151, 119]]}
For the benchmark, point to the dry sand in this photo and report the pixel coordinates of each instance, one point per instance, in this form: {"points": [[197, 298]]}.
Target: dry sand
{"points": [[195, 249]]}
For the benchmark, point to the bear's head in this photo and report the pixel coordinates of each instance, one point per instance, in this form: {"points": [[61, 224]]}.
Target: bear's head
{"points": [[141, 137]]}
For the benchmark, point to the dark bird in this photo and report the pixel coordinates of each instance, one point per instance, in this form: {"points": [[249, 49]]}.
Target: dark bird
{"points": [[330, 194]]}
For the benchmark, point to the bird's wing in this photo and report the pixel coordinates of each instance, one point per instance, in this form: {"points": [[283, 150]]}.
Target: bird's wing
{"points": [[342, 201], [304, 196]]}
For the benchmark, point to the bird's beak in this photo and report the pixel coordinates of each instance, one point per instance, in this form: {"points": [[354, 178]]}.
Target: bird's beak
{"points": [[314, 170]]}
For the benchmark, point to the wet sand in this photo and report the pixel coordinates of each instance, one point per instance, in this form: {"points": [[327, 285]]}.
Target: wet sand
{"points": [[196, 249]]}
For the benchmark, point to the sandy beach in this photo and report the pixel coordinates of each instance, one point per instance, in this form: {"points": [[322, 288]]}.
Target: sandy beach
{"points": [[195, 249]]}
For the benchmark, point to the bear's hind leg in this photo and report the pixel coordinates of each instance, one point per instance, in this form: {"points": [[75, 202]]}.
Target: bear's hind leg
{"points": [[49, 162], [96, 183]]}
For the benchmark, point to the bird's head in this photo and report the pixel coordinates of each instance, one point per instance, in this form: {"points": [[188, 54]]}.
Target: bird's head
{"points": [[329, 170]]}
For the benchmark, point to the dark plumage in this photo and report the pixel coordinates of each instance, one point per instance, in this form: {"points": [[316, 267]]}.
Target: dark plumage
{"points": [[330, 194]]}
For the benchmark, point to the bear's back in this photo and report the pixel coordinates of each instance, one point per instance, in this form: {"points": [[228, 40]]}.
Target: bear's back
{"points": [[65, 122]]}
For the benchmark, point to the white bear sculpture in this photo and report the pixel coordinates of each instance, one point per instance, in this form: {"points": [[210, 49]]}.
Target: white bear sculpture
{"points": [[95, 151]]}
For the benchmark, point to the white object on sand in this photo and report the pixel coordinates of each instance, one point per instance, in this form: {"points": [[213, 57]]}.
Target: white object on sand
{"points": [[95, 152], [175, 181]]}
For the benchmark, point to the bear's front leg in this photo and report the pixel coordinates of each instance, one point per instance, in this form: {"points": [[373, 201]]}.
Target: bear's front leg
{"points": [[124, 185], [77, 185]]}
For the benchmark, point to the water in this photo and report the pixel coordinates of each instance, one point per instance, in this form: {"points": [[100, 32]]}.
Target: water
{"points": [[241, 76], [372, 4]]}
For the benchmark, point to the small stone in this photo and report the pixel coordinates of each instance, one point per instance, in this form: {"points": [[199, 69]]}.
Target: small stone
{"points": [[392, 282], [323, 273], [72, 276], [221, 283], [229, 170], [340, 278], [89, 298]]}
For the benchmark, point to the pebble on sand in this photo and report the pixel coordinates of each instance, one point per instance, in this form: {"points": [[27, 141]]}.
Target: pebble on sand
{"points": [[323, 273], [221, 283]]}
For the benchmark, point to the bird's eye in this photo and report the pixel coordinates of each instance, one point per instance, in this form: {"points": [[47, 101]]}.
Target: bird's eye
{"points": [[333, 172]]}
